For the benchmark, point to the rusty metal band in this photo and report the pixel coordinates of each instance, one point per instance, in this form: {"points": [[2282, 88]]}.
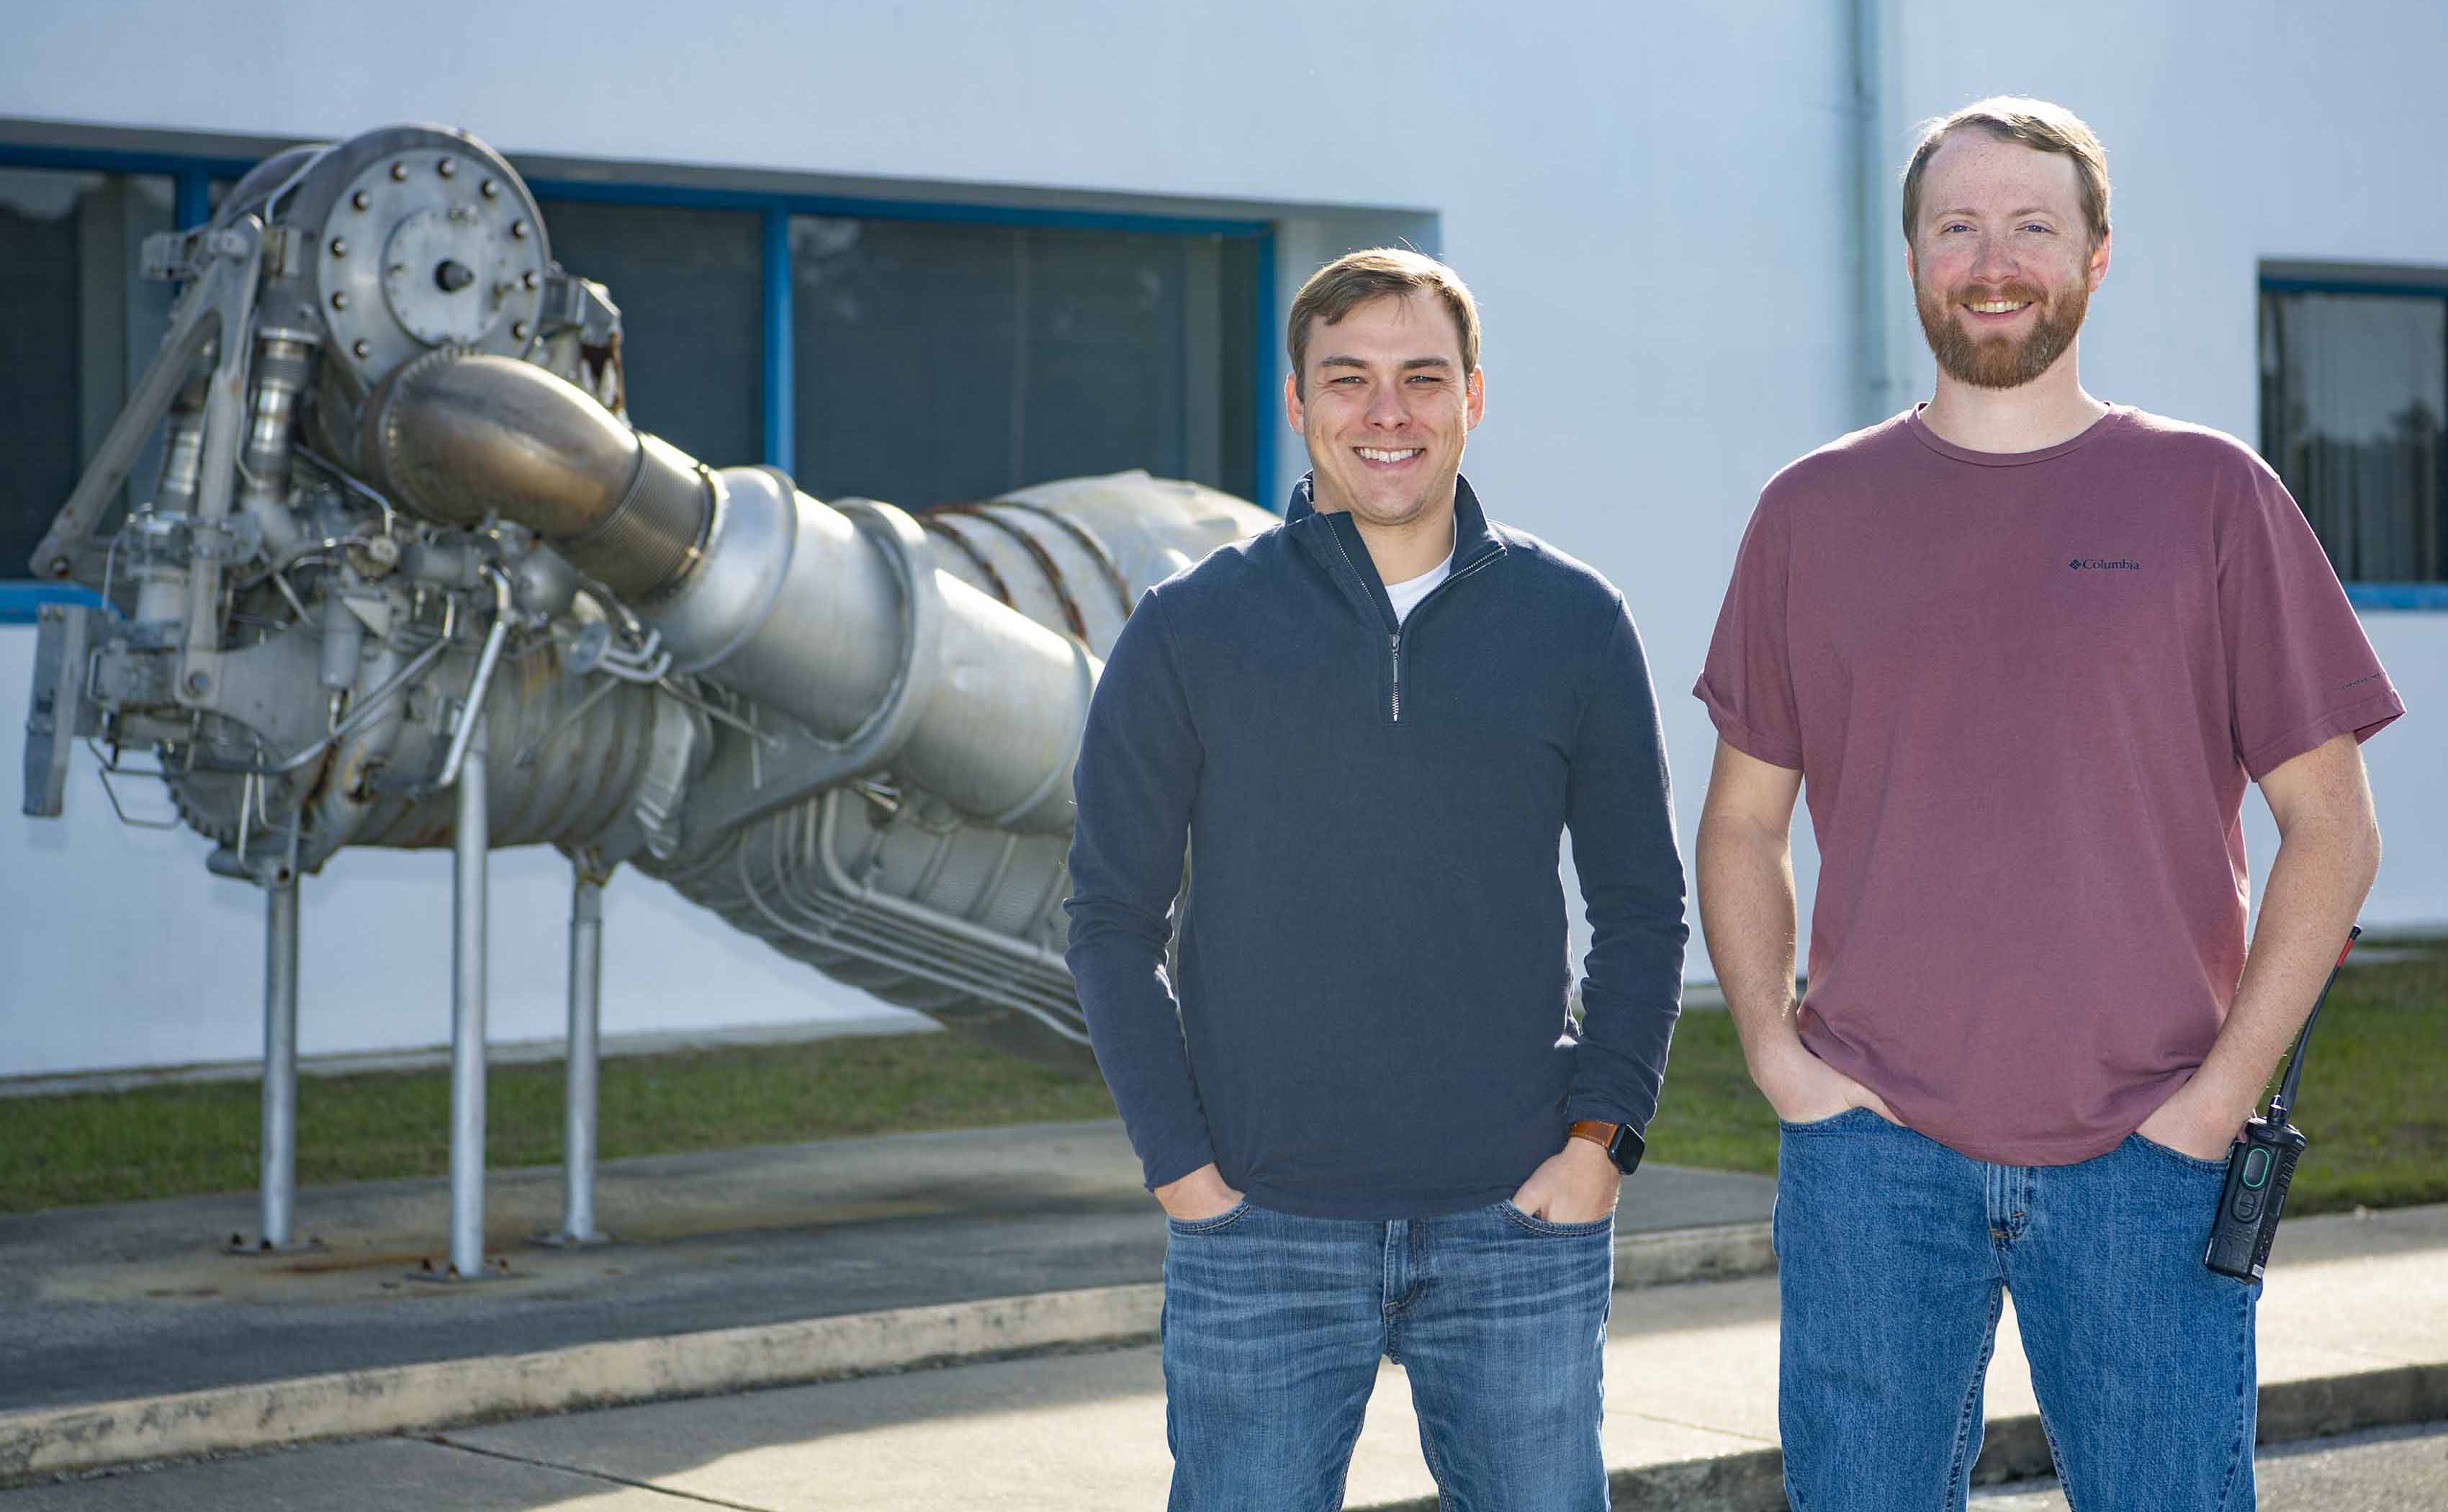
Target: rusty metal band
{"points": [[1036, 549], [1088, 541], [968, 549]]}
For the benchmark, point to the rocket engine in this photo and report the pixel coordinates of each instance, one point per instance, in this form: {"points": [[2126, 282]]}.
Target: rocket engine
{"points": [[409, 578]]}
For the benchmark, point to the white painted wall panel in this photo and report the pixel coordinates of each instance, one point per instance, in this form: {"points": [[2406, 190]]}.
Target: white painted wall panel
{"points": [[1649, 202]]}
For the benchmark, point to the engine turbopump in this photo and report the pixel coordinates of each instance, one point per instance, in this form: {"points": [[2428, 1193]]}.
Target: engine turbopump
{"points": [[409, 578]]}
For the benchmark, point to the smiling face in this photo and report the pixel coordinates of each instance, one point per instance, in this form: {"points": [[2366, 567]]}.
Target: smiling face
{"points": [[2003, 261], [1384, 405]]}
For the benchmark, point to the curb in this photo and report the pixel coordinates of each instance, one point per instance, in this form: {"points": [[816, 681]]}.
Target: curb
{"points": [[2016, 1448], [445, 1393]]}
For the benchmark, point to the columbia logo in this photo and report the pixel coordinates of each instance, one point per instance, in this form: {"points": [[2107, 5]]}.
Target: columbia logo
{"points": [[2105, 564]]}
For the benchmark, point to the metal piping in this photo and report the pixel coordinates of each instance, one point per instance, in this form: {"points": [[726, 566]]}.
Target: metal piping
{"points": [[467, 985], [454, 437], [768, 592], [472, 710], [284, 370], [225, 396]]}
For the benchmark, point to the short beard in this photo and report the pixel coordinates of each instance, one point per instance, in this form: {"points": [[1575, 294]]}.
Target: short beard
{"points": [[2000, 363]]}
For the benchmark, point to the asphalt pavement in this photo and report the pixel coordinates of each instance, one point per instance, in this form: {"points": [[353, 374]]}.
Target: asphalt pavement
{"points": [[941, 1320], [2390, 1470], [139, 1299]]}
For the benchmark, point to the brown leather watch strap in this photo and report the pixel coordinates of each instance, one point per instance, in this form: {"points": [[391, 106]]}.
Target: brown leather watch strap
{"points": [[1601, 1135]]}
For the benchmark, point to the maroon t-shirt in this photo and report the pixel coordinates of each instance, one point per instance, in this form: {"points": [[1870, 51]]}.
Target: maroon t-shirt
{"points": [[2025, 690]]}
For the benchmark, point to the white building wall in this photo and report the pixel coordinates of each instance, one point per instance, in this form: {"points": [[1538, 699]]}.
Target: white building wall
{"points": [[1651, 204], [2236, 134]]}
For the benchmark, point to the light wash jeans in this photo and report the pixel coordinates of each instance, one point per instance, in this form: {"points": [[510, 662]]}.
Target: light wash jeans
{"points": [[1273, 1325], [1893, 1252]]}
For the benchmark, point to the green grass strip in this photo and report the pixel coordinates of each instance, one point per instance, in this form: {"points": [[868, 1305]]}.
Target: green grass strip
{"points": [[2375, 1103], [179, 1140]]}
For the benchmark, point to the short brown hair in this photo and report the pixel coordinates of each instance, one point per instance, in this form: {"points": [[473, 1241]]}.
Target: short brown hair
{"points": [[1356, 277], [2036, 124]]}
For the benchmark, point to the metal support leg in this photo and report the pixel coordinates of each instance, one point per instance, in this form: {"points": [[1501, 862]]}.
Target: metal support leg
{"points": [[585, 1020], [277, 1188], [468, 1012]]}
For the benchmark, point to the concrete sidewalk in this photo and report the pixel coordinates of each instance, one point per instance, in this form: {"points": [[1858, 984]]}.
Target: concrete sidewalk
{"points": [[128, 1335], [2354, 1330]]}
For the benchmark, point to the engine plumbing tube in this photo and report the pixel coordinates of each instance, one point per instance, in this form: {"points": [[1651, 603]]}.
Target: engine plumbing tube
{"points": [[455, 436], [752, 583]]}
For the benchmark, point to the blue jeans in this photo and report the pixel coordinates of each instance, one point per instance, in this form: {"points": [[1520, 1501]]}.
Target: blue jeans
{"points": [[1893, 1252], [1273, 1325]]}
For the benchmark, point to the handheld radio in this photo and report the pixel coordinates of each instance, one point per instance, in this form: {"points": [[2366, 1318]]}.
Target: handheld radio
{"points": [[2262, 1163]]}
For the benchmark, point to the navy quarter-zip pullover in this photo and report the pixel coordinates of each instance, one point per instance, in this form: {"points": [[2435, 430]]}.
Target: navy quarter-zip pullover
{"points": [[1370, 1018]]}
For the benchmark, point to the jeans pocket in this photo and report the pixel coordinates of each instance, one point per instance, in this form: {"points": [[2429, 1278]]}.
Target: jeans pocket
{"points": [[2190, 1162], [1215, 1225], [1835, 1122], [1547, 1229]]}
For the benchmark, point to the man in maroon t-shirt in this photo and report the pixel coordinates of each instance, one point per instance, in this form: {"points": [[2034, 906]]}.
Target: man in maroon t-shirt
{"points": [[2024, 649]]}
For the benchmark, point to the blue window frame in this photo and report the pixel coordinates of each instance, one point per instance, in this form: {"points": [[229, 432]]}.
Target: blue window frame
{"points": [[193, 179], [2354, 402]]}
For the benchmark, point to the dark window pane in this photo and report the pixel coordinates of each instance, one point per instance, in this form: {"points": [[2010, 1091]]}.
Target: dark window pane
{"points": [[691, 289], [2354, 387], [908, 340], [940, 362], [1103, 387], [76, 328]]}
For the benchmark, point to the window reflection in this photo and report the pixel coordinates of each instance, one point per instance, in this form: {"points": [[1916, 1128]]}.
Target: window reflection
{"points": [[690, 284], [940, 362], [2354, 388], [77, 327]]}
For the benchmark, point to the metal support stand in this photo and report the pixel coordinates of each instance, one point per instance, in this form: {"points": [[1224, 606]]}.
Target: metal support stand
{"points": [[278, 1174], [468, 848], [279, 1187], [585, 1020]]}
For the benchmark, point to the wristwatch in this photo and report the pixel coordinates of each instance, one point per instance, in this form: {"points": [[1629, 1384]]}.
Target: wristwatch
{"points": [[1621, 1141]]}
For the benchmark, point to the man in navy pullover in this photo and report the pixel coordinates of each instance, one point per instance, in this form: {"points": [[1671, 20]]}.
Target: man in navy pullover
{"points": [[1360, 1099]]}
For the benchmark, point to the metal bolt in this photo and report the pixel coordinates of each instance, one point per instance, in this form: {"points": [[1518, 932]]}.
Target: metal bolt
{"points": [[528, 280], [340, 299], [360, 199], [450, 276], [360, 348], [60, 566], [519, 230], [519, 330], [488, 189], [198, 681], [399, 172], [340, 246], [447, 167]]}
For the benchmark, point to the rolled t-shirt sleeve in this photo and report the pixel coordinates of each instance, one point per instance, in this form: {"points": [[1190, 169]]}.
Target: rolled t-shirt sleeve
{"points": [[2301, 670], [1747, 680]]}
